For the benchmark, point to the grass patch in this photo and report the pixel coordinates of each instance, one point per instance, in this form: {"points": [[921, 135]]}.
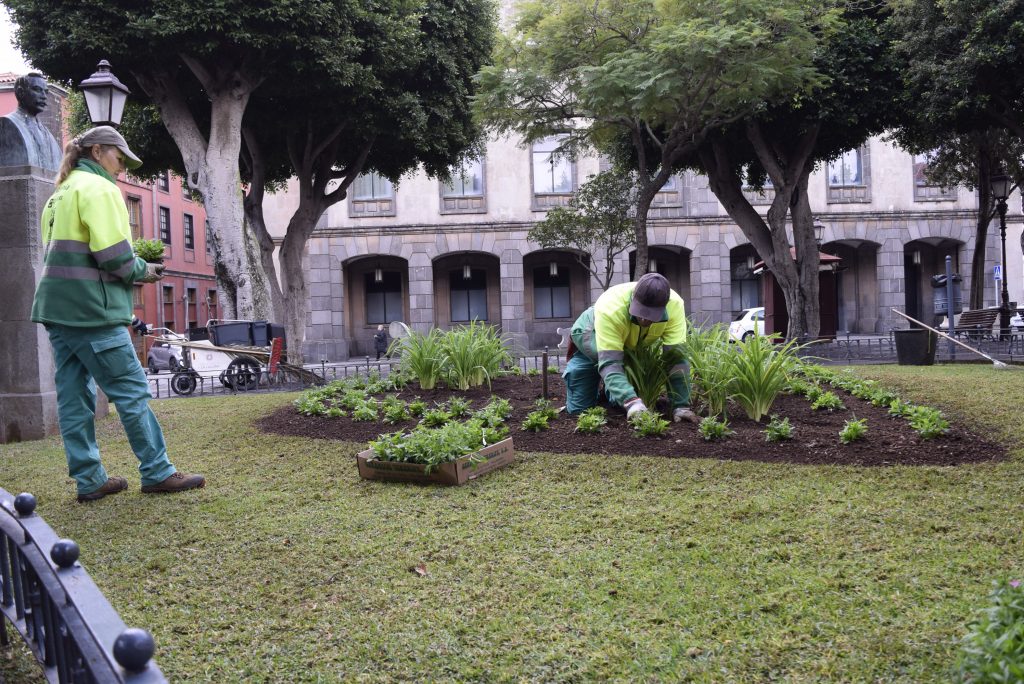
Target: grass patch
{"points": [[287, 567]]}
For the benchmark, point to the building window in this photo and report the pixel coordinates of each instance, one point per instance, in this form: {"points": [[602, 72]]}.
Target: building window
{"points": [[923, 190], [551, 293], [191, 308], [137, 297], [372, 186], [468, 295], [211, 303], [190, 233], [168, 302], [552, 173], [384, 298], [165, 225], [209, 238], [467, 180], [185, 192], [163, 181], [847, 170], [135, 216]]}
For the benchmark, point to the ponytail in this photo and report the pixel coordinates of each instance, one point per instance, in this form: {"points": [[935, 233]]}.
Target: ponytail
{"points": [[72, 153]]}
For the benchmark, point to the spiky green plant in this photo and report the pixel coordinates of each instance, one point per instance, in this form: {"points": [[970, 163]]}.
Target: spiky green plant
{"points": [[853, 430], [473, 354], [423, 356], [778, 429], [647, 424], [712, 428], [761, 369], [709, 355], [646, 372]]}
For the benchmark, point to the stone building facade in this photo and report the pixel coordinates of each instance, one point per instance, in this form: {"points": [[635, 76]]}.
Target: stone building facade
{"points": [[434, 255]]}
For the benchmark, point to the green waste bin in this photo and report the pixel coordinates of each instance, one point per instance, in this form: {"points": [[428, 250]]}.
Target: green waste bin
{"points": [[915, 347]]}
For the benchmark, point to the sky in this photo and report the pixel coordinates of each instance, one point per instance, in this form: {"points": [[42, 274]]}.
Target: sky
{"points": [[10, 59]]}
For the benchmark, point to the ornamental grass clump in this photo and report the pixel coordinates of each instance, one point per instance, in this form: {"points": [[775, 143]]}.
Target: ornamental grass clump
{"points": [[778, 430], [646, 372], [648, 424], [712, 428], [761, 368], [993, 648], [423, 356], [473, 354], [708, 353], [853, 430], [592, 420]]}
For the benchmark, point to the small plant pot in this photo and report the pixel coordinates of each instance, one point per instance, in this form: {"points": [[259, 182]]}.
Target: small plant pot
{"points": [[453, 473]]}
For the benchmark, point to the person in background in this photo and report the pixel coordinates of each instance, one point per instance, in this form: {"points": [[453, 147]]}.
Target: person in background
{"points": [[84, 300], [624, 317], [380, 341]]}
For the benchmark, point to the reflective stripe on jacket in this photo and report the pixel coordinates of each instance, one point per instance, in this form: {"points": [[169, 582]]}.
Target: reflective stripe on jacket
{"points": [[89, 265]]}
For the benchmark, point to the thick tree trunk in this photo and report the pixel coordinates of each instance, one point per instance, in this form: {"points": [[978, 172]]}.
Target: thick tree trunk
{"points": [[805, 315], [985, 210], [295, 291], [643, 205]]}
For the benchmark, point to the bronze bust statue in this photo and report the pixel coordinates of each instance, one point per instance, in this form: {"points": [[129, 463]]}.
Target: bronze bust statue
{"points": [[24, 140]]}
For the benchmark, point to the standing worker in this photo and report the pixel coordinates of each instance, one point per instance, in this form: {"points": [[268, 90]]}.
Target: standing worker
{"points": [[624, 317], [380, 341], [84, 300]]}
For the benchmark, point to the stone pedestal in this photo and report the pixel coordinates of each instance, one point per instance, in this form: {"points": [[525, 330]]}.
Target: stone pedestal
{"points": [[28, 403]]}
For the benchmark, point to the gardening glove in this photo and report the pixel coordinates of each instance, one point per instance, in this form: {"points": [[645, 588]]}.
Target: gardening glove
{"points": [[682, 413], [634, 407], [154, 272]]}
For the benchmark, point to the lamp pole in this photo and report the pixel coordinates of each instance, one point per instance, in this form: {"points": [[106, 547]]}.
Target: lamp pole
{"points": [[105, 96], [1000, 191]]}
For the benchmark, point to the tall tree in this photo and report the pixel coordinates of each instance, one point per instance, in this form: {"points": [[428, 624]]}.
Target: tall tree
{"points": [[663, 75], [782, 144], [598, 220], [317, 90]]}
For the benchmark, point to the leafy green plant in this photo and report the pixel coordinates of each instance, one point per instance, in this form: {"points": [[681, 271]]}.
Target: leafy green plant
{"points": [[394, 410], [778, 429], [882, 397], [709, 355], [432, 447], [423, 356], [416, 407], [458, 407], [646, 371], [533, 372], [712, 428], [928, 422], [514, 371], [553, 370], [648, 424], [536, 421], [760, 370], [352, 398], [335, 412], [435, 418], [365, 412], [545, 407], [827, 401], [993, 648], [853, 430], [496, 412], [310, 404], [798, 386], [899, 408], [592, 420], [151, 251]]}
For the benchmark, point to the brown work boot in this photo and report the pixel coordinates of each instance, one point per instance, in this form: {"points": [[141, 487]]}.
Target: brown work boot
{"points": [[178, 482], [113, 485]]}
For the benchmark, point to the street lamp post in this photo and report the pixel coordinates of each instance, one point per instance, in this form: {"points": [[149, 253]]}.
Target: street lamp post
{"points": [[105, 96], [1001, 185]]}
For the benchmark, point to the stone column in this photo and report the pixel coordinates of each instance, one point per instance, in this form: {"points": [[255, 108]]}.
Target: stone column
{"points": [[710, 281], [28, 400], [513, 310], [421, 292]]}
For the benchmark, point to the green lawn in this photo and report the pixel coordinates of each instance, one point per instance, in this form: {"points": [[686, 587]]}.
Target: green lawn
{"points": [[287, 567]]}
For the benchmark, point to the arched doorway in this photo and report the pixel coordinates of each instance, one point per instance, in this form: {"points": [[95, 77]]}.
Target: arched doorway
{"points": [[921, 260], [856, 285], [556, 290], [376, 293], [671, 261], [745, 287], [467, 287]]}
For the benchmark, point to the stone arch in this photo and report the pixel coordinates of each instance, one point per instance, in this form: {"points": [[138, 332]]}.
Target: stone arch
{"points": [[923, 258], [458, 299], [671, 261], [376, 288], [857, 282]]}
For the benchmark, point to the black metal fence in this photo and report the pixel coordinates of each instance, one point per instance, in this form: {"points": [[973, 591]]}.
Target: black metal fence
{"points": [[50, 600]]}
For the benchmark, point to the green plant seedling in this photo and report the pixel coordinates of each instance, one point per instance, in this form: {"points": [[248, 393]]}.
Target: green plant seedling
{"points": [[545, 407], [778, 429], [417, 407], [649, 424], [352, 398], [533, 372], [151, 251], [365, 412], [853, 430], [712, 428], [335, 412], [592, 421], [536, 421], [394, 411], [435, 418], [900, 409], [827, 401], [458, 407], [553, 370], [994, 644], [928, 422]]}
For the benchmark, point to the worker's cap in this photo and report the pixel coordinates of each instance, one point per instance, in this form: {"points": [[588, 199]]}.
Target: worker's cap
{"points": [[650, 296], [108, 135]]}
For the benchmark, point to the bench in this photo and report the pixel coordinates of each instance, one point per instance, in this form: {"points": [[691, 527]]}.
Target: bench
{"points": [[976, 324]]}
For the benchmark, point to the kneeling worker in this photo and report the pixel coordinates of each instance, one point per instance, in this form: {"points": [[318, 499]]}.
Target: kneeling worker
{"points": [[624, 317]]}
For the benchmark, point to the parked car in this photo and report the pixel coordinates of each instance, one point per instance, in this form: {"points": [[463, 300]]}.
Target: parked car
{"points": [[750, 322], [1017, 323], [163, 356]]}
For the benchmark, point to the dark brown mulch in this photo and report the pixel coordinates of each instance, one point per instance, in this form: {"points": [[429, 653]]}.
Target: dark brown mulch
{"points": [[890, 441]]}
